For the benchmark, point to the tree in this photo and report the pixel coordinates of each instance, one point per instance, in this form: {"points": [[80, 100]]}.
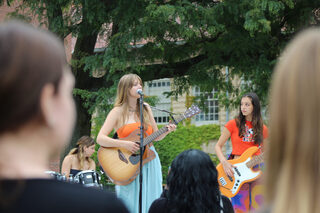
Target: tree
{"points": [[187, 40]]}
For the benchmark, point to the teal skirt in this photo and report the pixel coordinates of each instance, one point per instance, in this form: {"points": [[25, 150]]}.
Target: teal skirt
{"points": [[151, 187]]}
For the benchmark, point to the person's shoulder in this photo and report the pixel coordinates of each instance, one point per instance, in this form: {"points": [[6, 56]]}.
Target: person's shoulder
{"points": [[115, 113], [227, 205], [71, 194], [231, 124], [146, 105], [233, 121], [265, 131], [116, 109], [159, 205], [70, 158], [56, 196]]}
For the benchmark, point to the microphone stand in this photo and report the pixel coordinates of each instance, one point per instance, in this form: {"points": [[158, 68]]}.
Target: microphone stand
{"points": [[141, 149], [170, 113], [141, 143]]}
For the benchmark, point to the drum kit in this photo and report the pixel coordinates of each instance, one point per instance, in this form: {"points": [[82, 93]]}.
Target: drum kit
{"points": [[87, 178]]}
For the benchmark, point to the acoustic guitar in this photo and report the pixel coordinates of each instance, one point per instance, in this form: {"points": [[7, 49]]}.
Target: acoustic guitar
{"points": [[121, 165], [243, 173]]}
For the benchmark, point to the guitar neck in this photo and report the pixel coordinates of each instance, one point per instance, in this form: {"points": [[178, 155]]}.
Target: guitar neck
{"points": [[255, 160], [156, 134]]}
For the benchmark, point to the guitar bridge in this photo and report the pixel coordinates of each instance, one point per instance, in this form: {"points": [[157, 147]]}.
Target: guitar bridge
{"points": [[122, 157], [134, 159]]}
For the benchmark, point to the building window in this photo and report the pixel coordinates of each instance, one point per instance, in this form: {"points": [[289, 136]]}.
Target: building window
{"points": [[213, 107], [157, 88], [162, 119], [157, 83]]}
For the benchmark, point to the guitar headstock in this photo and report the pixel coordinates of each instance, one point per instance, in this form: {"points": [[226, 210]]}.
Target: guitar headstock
{"points": [[193, 110]]}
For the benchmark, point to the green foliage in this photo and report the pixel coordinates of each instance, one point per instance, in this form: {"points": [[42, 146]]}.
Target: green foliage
{"points": [[191, 39], [187, 40], [185, 137]]}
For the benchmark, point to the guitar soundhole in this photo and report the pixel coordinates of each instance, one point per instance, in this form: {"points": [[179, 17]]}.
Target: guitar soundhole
{"points": [[134, 159], [122, 157]]}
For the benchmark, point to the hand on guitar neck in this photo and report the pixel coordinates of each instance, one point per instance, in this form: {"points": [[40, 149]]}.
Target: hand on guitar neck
{"points": [[170, 128]]}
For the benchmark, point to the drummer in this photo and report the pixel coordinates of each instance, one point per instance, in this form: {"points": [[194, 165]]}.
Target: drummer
{"points": [[78, 158]]}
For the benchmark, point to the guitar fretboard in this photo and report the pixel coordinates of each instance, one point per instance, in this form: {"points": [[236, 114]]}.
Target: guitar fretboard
{"points": [[255, 160], [156, 134]]}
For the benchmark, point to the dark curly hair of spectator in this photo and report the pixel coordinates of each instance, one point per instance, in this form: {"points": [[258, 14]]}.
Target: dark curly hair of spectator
{"points": [[192, 183]]}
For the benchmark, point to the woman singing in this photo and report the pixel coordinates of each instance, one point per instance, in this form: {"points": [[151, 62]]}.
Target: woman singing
{"points": [[124, 118], [246, 130]]}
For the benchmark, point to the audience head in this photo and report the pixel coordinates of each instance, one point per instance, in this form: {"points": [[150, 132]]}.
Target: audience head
{"points": [[192, 183], [250, 105], [254, 99], [35, 84], [293, 159]]}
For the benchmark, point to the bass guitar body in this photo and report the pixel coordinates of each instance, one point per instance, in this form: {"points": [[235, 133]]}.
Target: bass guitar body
{"points": [[243, 173]]}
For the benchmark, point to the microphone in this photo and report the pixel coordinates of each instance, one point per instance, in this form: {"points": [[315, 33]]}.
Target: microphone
{"points": [[139, 91]]}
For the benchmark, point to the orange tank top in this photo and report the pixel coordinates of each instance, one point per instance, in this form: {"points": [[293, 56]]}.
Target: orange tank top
{"points": [[127, 129]]}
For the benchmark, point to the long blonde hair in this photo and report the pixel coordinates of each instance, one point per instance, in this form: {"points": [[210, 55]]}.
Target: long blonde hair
{"points": [[84, 141], [293, 156], [125, 84]]}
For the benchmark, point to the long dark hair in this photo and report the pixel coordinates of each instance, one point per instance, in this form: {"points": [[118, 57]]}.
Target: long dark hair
{"points": [[193, 184], [257, 122]]}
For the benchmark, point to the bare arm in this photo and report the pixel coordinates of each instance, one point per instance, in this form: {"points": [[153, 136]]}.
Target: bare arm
{"points": [[225, 135], [66, 166], [104, 140], [92, 165], [171, 127]]}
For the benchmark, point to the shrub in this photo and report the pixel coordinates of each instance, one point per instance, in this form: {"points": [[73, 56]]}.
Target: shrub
{"points": [[185, 137]]}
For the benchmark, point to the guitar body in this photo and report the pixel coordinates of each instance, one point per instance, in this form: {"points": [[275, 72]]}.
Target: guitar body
{"points": [[119, 164], [242, 174]]}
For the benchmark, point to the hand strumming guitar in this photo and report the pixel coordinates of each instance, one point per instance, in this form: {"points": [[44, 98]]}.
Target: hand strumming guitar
{"points": [[131, 146], [228, 168]]}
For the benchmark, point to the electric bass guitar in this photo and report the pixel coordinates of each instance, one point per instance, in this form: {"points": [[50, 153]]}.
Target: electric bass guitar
{"points": [[243, 173], [121, 165]]}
